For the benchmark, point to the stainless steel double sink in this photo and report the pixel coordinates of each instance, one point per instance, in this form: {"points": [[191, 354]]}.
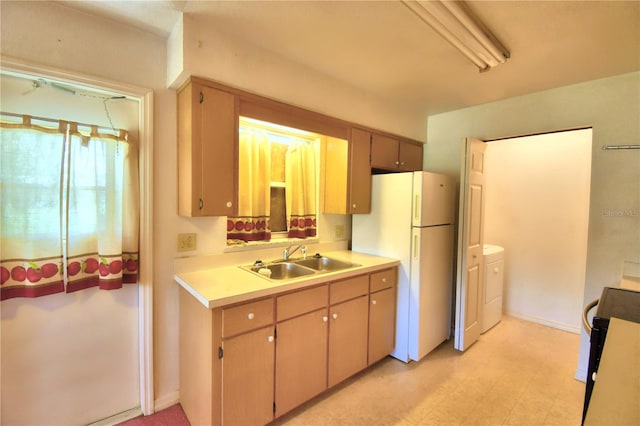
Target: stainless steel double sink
{"points": [[294, 268]]}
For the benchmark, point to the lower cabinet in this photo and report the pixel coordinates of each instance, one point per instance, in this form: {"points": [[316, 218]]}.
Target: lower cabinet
{"points": [[347, 339], [247, 378], [249, 363], [301, 360], [382, 324]]}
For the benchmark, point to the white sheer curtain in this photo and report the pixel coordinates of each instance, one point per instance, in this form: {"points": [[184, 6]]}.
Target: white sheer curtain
{"points": [[31, 206], [300, 184], [69, 209], [102, 211], [254, 197]]}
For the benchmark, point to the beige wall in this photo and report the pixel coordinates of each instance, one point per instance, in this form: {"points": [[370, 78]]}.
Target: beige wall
{"points": [[537, 208], [208, 53], [612, 107], [69, 40]]}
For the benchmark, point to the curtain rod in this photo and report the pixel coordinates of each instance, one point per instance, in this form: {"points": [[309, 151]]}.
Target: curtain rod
{"points": [[606, 147], [53, 120]]}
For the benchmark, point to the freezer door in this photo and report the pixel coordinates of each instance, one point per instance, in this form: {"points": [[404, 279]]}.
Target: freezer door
{"points": [[434, 199]]}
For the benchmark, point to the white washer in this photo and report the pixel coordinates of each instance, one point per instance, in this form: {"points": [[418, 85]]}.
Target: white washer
{"points": [[493, 284]]}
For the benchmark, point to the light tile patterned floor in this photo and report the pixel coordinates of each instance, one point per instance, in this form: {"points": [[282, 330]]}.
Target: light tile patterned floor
{"points": [[519, 373]]}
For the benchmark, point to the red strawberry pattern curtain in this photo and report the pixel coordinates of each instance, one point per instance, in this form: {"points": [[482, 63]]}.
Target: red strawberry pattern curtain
{"points": [[301, 189], [69, 209], [254, 197]]}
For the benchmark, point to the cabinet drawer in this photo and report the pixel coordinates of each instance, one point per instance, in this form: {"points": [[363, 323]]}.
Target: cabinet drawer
{"points": [[249, 316], [301, 302], [383, 279], [349, 288]]}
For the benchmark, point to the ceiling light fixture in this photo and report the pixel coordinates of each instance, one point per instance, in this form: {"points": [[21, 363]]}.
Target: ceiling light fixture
{"points": [[454, 21]]}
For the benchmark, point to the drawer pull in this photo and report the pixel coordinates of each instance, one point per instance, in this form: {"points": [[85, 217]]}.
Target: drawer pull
{"points": [[325, 318], [251, 315], [384, 280], [373, 302], [335, 316], [270, 339]]}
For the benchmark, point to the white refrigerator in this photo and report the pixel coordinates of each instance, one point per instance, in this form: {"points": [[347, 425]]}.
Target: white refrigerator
{"points": [[413, 219]]}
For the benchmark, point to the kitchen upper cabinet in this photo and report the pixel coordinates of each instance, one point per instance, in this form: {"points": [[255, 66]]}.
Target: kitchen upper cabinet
{"points": [[359, 195], [347, 174], [395, 154], [207, 150]]}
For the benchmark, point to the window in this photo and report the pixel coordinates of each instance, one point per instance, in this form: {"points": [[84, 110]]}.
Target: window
{"points": [[278, 174]]}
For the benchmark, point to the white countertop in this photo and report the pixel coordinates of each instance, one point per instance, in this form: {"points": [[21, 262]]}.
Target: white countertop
{"points": [[616, 392], [224, 285]]}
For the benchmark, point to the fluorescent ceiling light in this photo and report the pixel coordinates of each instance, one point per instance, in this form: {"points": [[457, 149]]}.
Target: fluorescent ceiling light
{"points": [[453, 21]]}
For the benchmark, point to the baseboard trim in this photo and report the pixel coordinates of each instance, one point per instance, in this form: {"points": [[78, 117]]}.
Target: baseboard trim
{"points": [[581, 375], [118, 418], [554, 324], [167, 400]]}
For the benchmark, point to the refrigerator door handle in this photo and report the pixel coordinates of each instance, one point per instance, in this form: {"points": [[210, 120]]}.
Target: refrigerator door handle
{"points": [[416, 209], [415, 246]]}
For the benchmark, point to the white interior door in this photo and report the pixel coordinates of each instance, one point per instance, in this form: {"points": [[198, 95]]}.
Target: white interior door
{"points": [[470, 242]]}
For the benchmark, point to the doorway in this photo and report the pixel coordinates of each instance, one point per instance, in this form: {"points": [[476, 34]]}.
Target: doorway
{"points": [[537, 208], [80, 357]]}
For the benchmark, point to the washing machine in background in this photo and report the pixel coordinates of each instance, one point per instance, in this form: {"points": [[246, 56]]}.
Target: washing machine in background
{"points": [[493, 284]]}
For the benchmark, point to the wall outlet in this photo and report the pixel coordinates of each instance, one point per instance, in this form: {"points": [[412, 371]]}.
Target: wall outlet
{"points": [[186, 242], [339, 231]]}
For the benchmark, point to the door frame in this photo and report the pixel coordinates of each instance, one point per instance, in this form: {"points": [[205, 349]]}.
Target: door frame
{"points": [[144, 96]]}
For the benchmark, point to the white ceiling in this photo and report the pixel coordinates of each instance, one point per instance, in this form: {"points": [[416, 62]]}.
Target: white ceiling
{"points": [[382, 48]]}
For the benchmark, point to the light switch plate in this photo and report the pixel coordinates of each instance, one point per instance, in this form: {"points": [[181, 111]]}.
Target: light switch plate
{"points": [[186, 242], [339, 231]]}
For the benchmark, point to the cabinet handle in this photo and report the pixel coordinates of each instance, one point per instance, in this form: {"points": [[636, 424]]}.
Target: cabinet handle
{"points": [[496, 269], [335, 316], [373, 302], [270, 339], [324, 318], [251, 315], [229, 204], [402, 163], [354, 205], [201, 204], [384, 280], [397, 163]]}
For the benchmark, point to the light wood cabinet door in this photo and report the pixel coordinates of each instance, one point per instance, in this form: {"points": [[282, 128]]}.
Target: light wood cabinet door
{"points": [[409, 157], [382, 323], [301, 359], [359, 194], [348, 323], [207, 151], [248, 378], [393, 154], [384, 152]]}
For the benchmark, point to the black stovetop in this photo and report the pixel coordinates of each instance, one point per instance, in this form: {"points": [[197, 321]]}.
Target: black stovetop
{"points": [[619, 303]]}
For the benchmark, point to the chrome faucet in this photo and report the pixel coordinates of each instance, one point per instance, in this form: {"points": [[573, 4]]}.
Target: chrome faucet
{"points": [[287, 254]]}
